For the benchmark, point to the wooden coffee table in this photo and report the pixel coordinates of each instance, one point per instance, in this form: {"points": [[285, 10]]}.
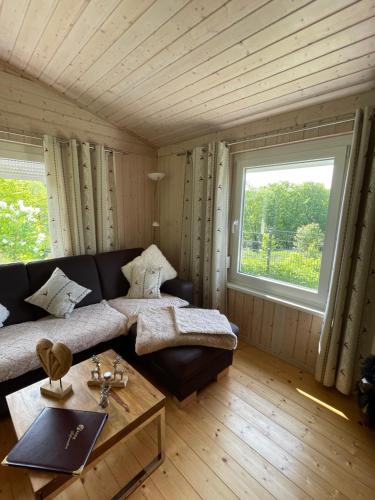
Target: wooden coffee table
{"points": [[130, 410]]}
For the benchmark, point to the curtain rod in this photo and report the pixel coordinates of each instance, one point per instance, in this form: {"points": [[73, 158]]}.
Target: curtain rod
{"points": [[59, 139], [228, 142], [339, 134], [294, 131]]}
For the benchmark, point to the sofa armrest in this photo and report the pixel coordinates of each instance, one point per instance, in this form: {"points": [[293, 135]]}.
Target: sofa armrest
{"points": [[179, 288]]}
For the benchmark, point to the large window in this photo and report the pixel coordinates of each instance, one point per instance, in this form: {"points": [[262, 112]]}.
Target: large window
{"points": [[286, 214], [24, 232]]}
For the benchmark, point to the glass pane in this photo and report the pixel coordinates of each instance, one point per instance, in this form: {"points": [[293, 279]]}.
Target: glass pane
{"points": [[24, 234], [284, 221]]}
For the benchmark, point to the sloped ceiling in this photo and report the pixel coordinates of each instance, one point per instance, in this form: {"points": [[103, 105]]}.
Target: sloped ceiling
{"points": [[170, 70]]}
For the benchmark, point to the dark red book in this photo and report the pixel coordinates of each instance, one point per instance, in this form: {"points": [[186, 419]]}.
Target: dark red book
{"points": [[58, 440]]}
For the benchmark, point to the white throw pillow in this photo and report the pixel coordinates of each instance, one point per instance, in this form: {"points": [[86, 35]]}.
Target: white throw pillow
{"points": [[4, 314], [151, 257], [145, 282], [59, 295]]}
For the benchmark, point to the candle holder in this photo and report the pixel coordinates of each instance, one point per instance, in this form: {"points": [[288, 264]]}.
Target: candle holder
{"points": [[117, 380], [105, 390]]}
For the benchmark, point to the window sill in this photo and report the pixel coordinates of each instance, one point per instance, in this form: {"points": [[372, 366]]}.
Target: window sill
{"points": [[277, 300]]}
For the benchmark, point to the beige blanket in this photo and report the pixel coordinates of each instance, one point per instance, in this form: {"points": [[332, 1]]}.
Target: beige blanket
{"points": [[157, 330], [194, 320]]}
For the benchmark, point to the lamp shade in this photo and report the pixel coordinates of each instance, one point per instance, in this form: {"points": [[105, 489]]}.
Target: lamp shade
{"points": [[156, 176]]}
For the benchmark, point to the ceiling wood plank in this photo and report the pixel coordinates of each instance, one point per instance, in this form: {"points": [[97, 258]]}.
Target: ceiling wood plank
{"points": [[230, 45], [229, 14], [168, 70], [11, 18], [321, 35], [127, 13], [249, 105], [188, 54], [87, 24], [94, 80], [323, 54], [183, 21], [65, 16], [335, 87], [36, 19]]}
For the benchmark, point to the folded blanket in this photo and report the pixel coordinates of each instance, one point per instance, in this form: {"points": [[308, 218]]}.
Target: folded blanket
{"points": [[156, 330], [132, 307], [207, 321]]}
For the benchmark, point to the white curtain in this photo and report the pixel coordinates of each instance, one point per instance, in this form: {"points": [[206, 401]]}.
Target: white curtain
{"points": [[346, 335], [81, 197], [204, 236]]}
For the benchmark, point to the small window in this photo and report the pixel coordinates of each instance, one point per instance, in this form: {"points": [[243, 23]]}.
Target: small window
{"points": [[286, 214], [24, 234]]}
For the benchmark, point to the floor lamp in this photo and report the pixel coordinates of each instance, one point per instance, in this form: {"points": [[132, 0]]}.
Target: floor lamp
{"points": [[156, 177]]}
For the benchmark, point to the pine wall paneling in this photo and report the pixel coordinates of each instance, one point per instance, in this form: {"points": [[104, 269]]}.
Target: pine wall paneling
{"points": [[32, 108], [29, 107], [171, 197], [284, 331], [134, 200]]}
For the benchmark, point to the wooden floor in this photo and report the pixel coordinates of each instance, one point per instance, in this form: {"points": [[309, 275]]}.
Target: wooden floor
{"points": [[266, 431]]}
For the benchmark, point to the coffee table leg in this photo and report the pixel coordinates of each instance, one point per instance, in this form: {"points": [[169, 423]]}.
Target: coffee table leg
{"points": [[151, 466]]}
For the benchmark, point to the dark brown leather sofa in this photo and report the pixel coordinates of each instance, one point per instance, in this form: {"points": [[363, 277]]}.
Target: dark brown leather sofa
{"points": [[182, 370]]}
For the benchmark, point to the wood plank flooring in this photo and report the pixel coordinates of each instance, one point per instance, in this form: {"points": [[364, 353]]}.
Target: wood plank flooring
{"points": [[268, 430]]}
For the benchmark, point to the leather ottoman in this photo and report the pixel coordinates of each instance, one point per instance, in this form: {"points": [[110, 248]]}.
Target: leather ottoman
{"points": [[182, 370]]}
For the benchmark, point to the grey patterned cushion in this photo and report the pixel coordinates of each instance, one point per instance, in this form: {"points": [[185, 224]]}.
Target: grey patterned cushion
{"points": [[58, 295], [145, 282], [4, 313]]}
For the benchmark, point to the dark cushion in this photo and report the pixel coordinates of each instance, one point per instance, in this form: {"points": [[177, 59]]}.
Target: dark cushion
{"points": [[114, 284], [14, 288], [179, 288], [81, 269]]}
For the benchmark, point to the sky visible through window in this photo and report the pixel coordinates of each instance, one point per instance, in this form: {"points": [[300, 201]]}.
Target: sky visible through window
{"points": [[317, 173]]}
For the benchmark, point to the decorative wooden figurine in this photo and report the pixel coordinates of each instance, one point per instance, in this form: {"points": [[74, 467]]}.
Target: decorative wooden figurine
{"points": [[118, 379], [56, 360]]}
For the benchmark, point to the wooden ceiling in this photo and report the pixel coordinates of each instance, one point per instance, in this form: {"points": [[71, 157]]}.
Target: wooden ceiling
{"points": [[170, 70]]}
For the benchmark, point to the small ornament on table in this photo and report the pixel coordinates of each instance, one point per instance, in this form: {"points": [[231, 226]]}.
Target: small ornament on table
{"points": [[95, 373], [105, 390], [56, 360], [118, 380]]}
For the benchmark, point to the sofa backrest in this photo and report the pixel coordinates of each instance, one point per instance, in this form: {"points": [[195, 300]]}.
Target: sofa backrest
{"points": [[100, 273], [80, 268], [14, 288], [113, 282]]}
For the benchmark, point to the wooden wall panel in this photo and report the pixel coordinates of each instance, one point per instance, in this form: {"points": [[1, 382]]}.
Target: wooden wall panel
{"points": [[134, 200], [287, 333], [171, 198], [30, 107]]}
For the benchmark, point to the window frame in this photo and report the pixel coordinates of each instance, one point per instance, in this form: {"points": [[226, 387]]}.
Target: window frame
{"points": [[333, 147]]}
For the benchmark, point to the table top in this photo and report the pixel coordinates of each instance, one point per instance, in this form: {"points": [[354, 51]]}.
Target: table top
{"points": [[128, 407]]}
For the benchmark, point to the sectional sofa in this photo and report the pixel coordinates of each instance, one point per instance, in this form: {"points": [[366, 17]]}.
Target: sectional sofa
{"points": [[93, 326]]}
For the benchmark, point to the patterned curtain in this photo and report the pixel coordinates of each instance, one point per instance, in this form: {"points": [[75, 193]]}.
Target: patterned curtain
{"points": [[347, 335], [81, 198], [204, 237]]}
